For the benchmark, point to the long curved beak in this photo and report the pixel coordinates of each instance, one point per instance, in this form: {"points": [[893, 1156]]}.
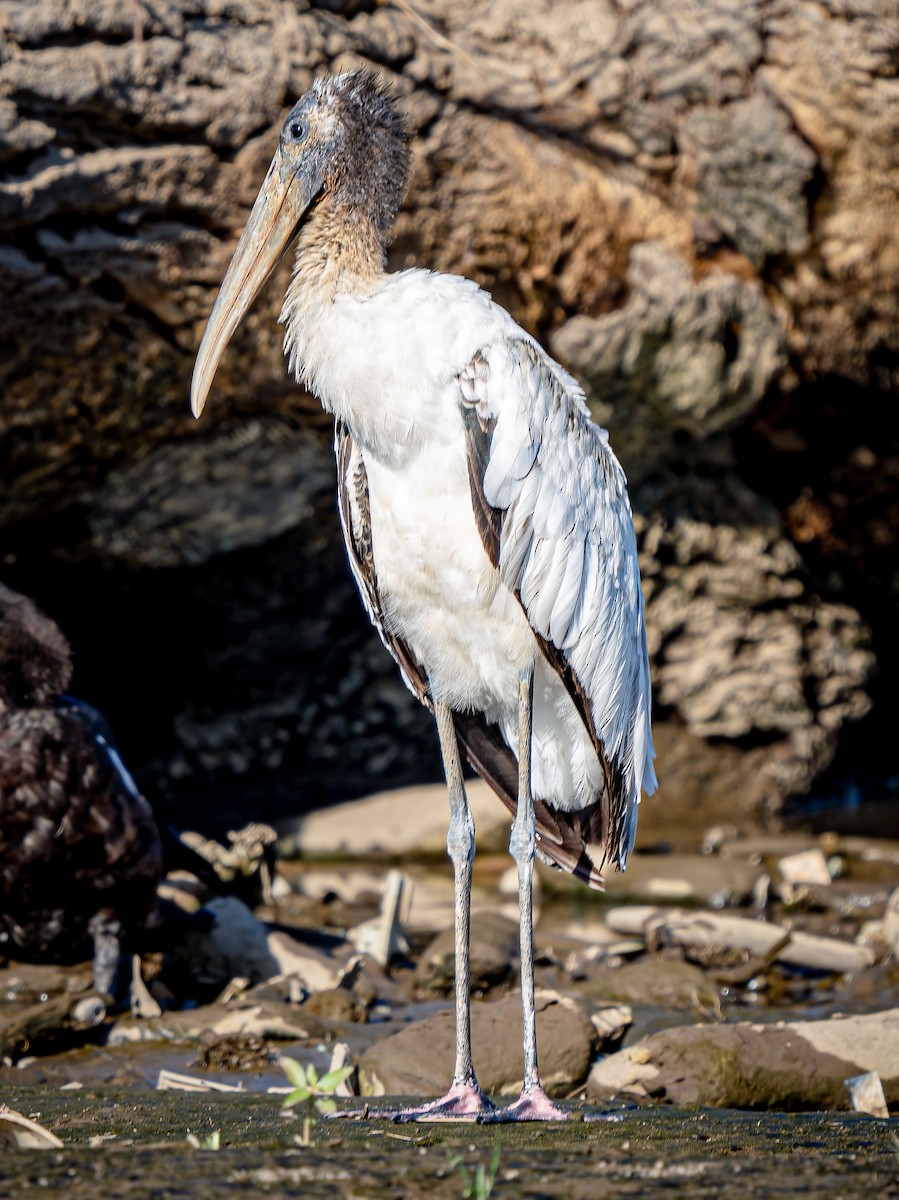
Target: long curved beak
{"points": [[283, 198]]}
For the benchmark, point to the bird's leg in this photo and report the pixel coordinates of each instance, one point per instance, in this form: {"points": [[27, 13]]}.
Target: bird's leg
{"points": [[110, 966], [460, 847], [464, 1100], [533, 1104]]}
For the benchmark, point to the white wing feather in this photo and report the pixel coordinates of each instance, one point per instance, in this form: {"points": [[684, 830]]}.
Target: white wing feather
{"points": [[567, 546]]}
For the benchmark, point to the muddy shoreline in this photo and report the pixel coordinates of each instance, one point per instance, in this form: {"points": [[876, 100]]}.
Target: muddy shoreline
{"points": [[739, 959], [139, 1148]]}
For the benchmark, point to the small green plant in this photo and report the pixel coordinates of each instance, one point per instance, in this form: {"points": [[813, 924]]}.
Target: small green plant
{"points": [[317, 1094], [478, 1185], [213, 1142]]}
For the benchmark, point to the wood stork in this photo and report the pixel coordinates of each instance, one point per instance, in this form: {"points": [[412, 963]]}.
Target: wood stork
{"points": [[485, 516]]}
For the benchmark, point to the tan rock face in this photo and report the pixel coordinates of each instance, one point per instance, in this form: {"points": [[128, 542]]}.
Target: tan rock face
{"points": [[696, 212], [740, 646], [834, 80]]}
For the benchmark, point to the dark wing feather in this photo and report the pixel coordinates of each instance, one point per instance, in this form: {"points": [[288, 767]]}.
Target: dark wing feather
{"points": [[355, 520], [561, 836], [478, 432]]}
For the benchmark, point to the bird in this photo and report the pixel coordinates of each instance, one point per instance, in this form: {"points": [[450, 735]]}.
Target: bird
{"points": [[485, 516], [80, 850]]}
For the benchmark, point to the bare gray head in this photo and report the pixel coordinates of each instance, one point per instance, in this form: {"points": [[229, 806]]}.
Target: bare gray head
{"points": [[352, 143], [344, 153]]}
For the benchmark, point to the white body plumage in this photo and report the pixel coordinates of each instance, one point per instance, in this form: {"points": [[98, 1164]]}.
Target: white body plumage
{"points": [[397, 359]]}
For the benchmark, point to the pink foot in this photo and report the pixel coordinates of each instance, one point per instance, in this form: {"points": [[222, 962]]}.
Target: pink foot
{"points": [[463, 1102], [532, 1105]]}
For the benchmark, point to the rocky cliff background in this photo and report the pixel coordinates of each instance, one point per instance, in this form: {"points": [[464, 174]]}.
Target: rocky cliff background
{"points": [[694, 206]]}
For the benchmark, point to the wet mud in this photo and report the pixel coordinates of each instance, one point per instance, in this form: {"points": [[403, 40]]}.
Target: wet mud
{"points": [[620, 984], [126, 1143]]}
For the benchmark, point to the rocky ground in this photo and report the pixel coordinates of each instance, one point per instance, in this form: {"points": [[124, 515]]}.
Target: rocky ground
{"points": [[727, 968]]}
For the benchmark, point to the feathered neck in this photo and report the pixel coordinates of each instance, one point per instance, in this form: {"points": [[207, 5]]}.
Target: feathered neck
{"points": [[339, 250]]}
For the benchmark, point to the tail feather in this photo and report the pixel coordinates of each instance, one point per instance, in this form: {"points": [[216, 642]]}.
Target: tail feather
{"points": [[561, 836]]}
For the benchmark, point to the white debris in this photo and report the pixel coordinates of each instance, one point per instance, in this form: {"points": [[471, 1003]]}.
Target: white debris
{"points": [[89, 1011], [316, 971], [808, 868], [890, 926], [143, 1005], [612, 1020], [866, 1094], [760, 938], [383, 938], [23, 1133], [280, 888], [341, 1057], [173, 1081]]}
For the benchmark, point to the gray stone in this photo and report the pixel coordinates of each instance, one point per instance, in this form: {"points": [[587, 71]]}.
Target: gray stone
{"points": [[787, 1065], [684, 877], [700, 931], [494, 955], [662, 982], [751, 173], [418, 1061], [399, 822], [237, 944]]}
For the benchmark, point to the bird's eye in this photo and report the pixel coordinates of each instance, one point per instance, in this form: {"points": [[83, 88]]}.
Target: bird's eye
{"points": [[297, 130]]}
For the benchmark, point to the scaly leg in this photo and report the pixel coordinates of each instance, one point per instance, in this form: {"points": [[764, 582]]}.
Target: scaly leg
{"points": [[110, 967], [533, 1104], [464, 1100]]}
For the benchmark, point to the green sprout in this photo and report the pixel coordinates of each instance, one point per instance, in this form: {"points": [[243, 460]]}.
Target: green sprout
{"points": [[213, 1142], [478, 1186], [308, 1089]]}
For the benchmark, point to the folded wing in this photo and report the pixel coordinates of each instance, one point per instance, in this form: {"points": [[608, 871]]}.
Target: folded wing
{"points": [[551, 503]]}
